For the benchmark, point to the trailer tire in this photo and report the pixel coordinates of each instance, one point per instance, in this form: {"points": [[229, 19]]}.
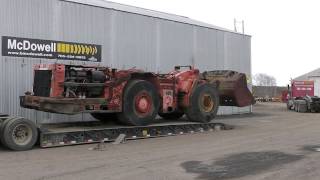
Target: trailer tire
{"points": [[19, 134], [288, 106], [105, 117], [3, 125], [140, 103], [204, 103], [169, 116]]}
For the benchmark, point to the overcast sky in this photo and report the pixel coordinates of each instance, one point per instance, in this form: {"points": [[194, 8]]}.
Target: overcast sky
{"points": [[285, 33]]}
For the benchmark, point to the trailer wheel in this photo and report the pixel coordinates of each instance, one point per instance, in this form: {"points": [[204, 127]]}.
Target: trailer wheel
{"points": [[174, 115], [2, 127], [105, 117], [140, 104], [204, 103], [19, 134], [289, 106]]}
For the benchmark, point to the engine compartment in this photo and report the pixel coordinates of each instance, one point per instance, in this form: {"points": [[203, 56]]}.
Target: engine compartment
{"points": [[84, 82]]}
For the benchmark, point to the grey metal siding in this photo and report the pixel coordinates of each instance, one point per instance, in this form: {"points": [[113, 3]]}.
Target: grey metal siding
{"points": [[135, 41], [127, 39], [205, 55], [176, 45]]}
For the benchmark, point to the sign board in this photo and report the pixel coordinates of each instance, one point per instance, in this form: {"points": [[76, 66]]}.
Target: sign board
{"points": [[39, 48], [302, 88]]}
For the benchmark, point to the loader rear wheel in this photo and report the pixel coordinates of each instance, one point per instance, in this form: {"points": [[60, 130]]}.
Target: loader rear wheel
{"points": [[105, 117], [19, 134], [169, 116], [204, 103], [140, 104]]}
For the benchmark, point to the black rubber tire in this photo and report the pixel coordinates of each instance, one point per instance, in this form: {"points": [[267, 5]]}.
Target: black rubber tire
{"points": [[288, 106], [3, 125], [105, 117], [129, 115], [170, 116], [7, 139], [195, 111]]}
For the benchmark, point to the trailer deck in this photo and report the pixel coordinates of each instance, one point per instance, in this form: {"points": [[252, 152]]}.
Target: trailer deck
{"points": [[53, 135]]}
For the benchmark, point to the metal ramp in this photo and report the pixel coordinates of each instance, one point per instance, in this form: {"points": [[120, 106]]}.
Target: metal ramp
{"points": [[53, 135]]}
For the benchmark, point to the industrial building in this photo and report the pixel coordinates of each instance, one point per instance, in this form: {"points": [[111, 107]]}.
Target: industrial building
{"points": [[119, 36], [312, 76], [268, 91]]}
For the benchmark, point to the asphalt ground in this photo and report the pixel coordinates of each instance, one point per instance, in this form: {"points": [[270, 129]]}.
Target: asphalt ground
{"points": [[271, 143]]}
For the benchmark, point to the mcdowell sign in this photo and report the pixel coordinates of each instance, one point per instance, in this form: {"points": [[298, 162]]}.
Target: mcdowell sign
{"points": [[38, 48]]}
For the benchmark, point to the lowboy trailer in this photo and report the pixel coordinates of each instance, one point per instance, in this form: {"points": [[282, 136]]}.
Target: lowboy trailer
{"points": [[130, 97], [14, 136]]}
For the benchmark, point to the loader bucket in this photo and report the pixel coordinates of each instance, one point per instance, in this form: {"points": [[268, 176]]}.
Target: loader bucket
{"points": [[232, 87]]}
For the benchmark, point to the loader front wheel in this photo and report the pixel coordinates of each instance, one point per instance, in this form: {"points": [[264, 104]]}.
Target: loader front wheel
{"points": [[140, 103], [204, 103], [19, 134]]}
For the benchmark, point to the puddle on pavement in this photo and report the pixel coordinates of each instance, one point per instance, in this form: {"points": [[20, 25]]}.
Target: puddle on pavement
{"points": [[239, 165], [312, 148]]}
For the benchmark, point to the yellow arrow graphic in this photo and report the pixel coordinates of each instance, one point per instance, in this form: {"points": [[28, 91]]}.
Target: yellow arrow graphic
{"points": [[67, 48], [90, 49], [71, 48], [79, 49], [58, 47], [75, 49], [87, 50], [83, 49]]}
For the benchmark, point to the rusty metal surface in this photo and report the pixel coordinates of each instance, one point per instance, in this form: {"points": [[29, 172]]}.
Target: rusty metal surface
{"points": [[233, 88], [64, 105]]}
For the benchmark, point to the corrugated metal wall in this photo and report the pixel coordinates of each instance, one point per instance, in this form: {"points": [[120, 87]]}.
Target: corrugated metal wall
{"points": [[127, 40]]}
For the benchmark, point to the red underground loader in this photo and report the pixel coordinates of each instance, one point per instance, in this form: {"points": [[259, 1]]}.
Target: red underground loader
{"points": [[135, 97], [130, 97]]}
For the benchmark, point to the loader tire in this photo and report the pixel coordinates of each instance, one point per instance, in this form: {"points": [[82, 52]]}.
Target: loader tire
{"points": [[19, 134], [140, 103], [169, 116], [105, 117], [204, 103]]}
